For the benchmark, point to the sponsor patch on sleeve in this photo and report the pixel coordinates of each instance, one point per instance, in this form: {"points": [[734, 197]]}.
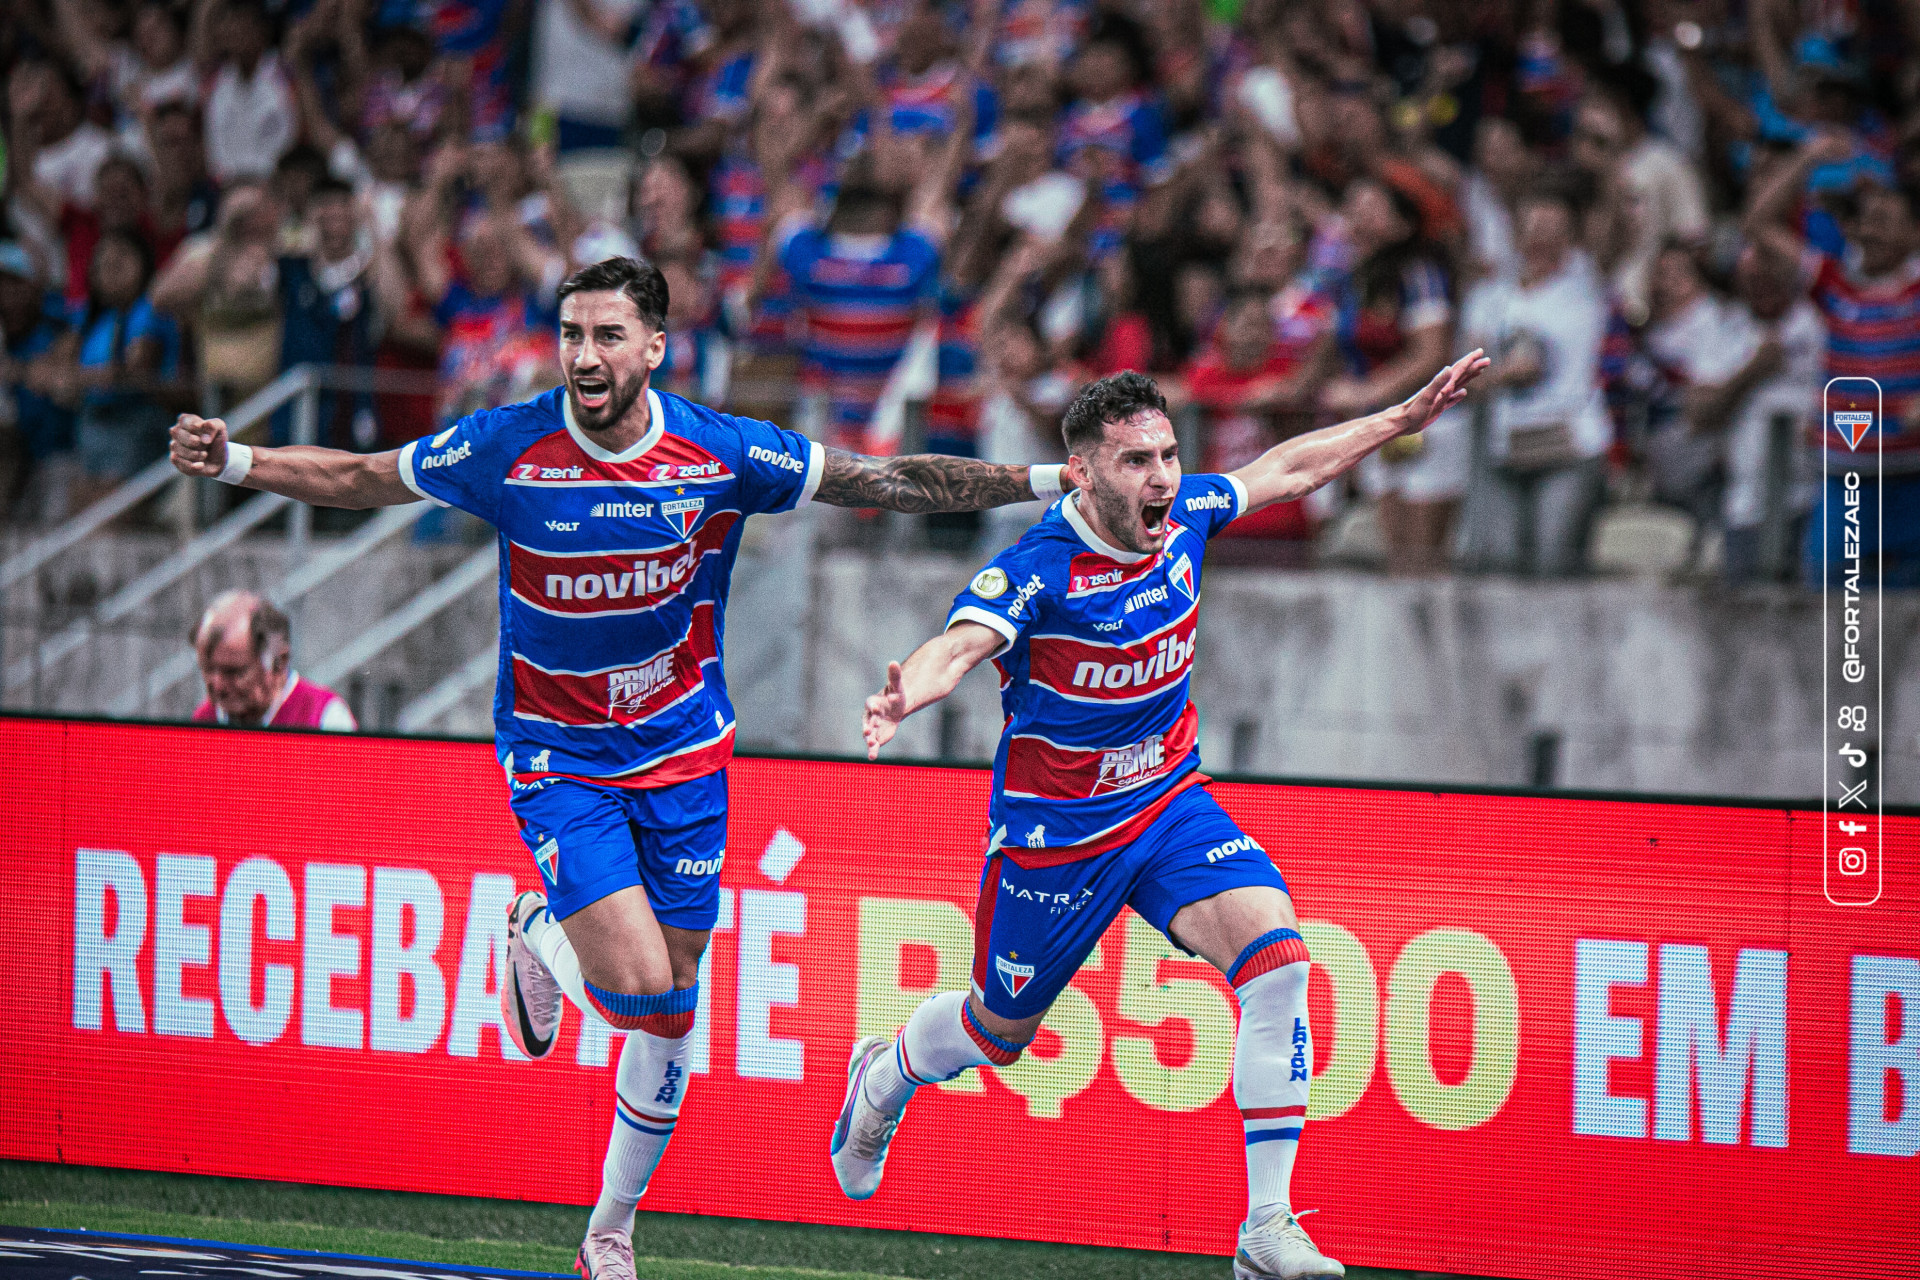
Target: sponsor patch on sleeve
{"points": [[989, 584]]}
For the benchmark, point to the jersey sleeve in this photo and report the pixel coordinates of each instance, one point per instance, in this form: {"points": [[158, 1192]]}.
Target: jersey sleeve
{"points": [[463, 466], [1209, 503], [1006, 596], [778, 469]]}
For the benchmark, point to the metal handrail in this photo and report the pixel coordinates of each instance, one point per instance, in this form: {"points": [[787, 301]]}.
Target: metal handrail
{"points": [[446, 694], [222, 535], [283, 593], [255, 409], [471, 572]]}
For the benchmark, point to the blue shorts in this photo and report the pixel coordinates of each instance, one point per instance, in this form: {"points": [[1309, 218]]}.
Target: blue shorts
{"points": [[590, 841], [1032, 928]]}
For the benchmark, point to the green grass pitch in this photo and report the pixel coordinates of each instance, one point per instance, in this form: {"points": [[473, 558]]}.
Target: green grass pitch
{"points": [[538, 1237]]}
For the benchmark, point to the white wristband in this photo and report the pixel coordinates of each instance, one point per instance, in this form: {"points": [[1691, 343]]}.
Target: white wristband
{"points": [[1045, 480], [239, 462]]}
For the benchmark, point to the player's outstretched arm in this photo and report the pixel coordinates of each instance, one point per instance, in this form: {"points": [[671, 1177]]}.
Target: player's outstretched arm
{"points": [[928, 675], [1294, 468], [923, 482], [318, 477]]}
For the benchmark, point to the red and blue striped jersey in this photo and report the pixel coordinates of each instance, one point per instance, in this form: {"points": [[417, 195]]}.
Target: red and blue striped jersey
{"points": [[859, 309], [1873, 331], [614, 571], [1100, 732]]}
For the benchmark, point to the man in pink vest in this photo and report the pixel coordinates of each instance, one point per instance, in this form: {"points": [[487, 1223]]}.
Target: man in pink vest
{"points": [[245, 649]]}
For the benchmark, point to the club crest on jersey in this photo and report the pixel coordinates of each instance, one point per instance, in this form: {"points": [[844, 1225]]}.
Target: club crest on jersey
{"points": [[1181, 576], [1012, 976], [548, 856], [683, 513]]}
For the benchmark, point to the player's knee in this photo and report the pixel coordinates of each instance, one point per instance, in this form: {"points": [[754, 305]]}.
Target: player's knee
{"points": [[1274, 949], [667, 1013]]}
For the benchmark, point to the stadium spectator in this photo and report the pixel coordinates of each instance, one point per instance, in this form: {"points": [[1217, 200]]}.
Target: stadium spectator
{"points": [[1870, 300], [1254, 393], [245, 649], [329, 314], [1549, 426], [185, 200], [53, 142], [495, 320], [251, 116], [223, 284], [120, 358], [33, 319], [1394, 321]]}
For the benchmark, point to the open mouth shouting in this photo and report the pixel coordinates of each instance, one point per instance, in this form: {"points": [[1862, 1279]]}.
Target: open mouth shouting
{"points": [[592, 393], [1153, 520]]}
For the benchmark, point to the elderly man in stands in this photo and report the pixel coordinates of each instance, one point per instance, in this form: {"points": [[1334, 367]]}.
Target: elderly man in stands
{"points": [[245, 649]]}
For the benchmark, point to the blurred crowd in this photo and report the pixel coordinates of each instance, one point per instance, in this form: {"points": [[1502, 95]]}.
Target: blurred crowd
{"points": [[906, 223]]}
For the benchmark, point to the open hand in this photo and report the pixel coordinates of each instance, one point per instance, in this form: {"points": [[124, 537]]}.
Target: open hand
{"points": [[199, 445], [884, 712], [1448, 388]]}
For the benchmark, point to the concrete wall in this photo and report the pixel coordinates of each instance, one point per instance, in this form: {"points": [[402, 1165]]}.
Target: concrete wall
{"points": [[1609, 684]]}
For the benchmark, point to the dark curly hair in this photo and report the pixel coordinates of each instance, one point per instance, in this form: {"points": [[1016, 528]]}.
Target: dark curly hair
{"points": [[1120, 398], [639, 280]]}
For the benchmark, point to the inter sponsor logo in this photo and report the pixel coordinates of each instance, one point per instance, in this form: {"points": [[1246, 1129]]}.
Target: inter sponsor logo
{"points": [[629, 688], [621, 510], [459, 453], [785, 461], [1141, 599]]}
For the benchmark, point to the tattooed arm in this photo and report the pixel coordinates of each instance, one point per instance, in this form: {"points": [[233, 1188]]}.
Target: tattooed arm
{"points": [[928, 482]]}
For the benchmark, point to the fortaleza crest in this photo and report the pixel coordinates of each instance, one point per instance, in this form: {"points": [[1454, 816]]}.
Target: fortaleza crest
{"points": [[1012, 976], [548, 856], [1853, 425], [1181, 575], [682, 513]]}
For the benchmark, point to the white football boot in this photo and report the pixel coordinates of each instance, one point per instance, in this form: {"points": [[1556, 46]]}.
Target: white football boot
{"points": [[863, 1132], [605, 1255], [1278, 1248], [530, 996]]}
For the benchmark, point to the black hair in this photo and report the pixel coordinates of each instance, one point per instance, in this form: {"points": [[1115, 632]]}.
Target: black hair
{"points": [[330, 186], [1119, 398], [1378, 279], [636, 279], [303, 156], [860, 196]]}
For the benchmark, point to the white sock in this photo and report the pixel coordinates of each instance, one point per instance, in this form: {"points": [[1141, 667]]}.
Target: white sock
{"points": [[549, 942], [940, 1041], [649, 1086], [1272, 1071]]}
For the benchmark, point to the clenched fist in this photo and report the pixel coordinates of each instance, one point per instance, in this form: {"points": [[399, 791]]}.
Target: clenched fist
{"points": [[199, 445]]}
